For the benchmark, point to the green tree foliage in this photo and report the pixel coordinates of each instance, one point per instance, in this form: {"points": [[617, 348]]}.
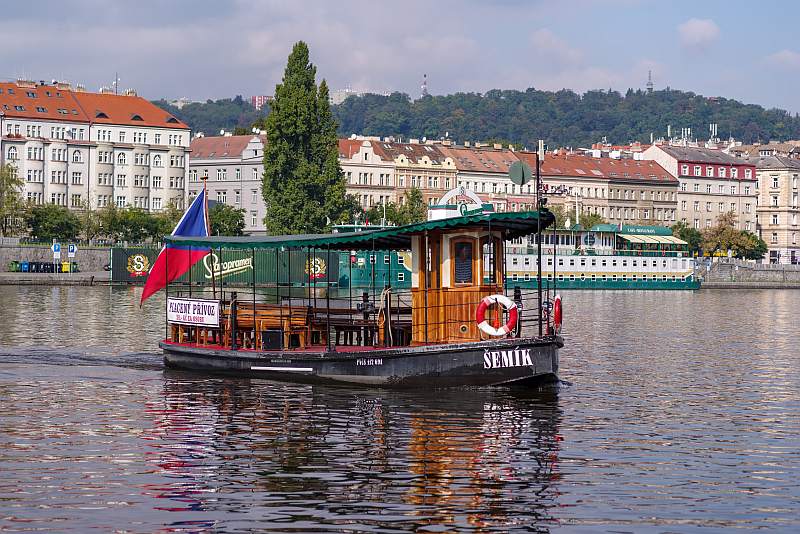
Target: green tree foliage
{"points": [[724, 236], [563, 117], [11, 203], [214, 115], [411, 210], [692, 236], [226, 220], [587, 220], [303, 186], [51, 221]]}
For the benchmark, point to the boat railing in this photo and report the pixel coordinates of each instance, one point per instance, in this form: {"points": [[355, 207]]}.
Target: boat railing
{"points": [[249, 322]]}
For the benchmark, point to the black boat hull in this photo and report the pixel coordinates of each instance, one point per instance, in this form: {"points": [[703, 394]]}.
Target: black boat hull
{"points": [[488, 363]]}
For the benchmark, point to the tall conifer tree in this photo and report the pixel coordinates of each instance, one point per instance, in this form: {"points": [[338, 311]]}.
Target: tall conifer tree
{"points": [[303, 184]]}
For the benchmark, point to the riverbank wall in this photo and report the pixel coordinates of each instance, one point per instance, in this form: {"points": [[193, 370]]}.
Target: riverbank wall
{"points": [[737, 274]]}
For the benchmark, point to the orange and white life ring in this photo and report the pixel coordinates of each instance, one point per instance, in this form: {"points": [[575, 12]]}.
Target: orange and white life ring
{"points": [[557, 314], [508, 304]]}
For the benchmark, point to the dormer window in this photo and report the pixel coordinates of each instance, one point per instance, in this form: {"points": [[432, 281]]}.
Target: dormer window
{"points": [[136, 117], [172, 120], [100, 115]]}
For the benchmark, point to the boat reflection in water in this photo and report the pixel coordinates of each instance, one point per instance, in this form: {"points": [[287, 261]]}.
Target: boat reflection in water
{"points": [[307, 457]]}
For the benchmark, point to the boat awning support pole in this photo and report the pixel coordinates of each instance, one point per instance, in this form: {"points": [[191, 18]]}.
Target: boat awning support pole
{"points": [[539, 234], [253, 270], [328, 299], [427, 281]]}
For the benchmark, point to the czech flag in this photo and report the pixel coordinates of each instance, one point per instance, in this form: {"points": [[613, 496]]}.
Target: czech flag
{"points": [[174, 260]]}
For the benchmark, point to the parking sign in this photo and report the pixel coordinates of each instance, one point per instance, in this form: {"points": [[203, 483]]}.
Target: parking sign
{"points": [[72, 248], [56, 248]]}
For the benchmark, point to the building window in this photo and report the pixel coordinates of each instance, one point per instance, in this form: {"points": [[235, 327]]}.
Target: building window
{"points": [[774, 238], [238, 173], [253, 218], [222, 196], [748, 173], [721, 172], [708, 188], [12, 153], [157, 160], [710, 171], [696, 188], [774, 218]]}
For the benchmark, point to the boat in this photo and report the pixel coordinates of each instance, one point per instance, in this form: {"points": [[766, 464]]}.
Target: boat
{"points": [[605, 256], [458, 324]]}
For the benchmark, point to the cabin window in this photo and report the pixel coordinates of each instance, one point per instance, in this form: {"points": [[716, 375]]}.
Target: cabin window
{"points": [[635, 263], [614, 277], [527, 277], [513, 277], [604, 278], [583, 262], [462, 262], [527, 261], [624, 263], [594, 262], [614, 263], [664, 277], [401, 277], [583, 277], [572, 278], [372, 258], [624, 277], [400, 260], [514, 261], [604, 263], [560, 262], [386, 260], [594, 277], [572, 263], [673, 278], [633, 277]]}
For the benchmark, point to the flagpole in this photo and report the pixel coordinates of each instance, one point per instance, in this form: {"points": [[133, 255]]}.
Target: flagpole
{"points": [[208, 232]]}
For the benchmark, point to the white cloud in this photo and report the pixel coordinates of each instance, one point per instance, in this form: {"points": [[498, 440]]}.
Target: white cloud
{"points": [[785, 58], [698, 34], [546, 44]]}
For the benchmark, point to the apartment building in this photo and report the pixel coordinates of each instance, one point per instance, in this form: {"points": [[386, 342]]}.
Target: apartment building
{"points": [[711, 183], [79, 149], [484, 170], [622, 191], [778, 209], [234, 166], [369, 171]]}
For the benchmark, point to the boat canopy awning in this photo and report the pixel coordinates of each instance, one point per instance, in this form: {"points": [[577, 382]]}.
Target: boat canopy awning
{"points": [[653, 239], [512, 224]]}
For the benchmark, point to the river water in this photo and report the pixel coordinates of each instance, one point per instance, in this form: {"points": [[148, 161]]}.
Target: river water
{"points": [[681, 413]]}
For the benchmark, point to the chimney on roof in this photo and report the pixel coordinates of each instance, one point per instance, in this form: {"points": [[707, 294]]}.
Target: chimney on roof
{"points": [[80, 88], [130, 92], [511, 147], [105, 90], [26, 83], [447, 142], [466, 144], [497, 146], [413, 141]]}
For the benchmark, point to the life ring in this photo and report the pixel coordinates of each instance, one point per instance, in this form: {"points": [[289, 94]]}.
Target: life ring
{"points": [[557, 314], [483, 324]]}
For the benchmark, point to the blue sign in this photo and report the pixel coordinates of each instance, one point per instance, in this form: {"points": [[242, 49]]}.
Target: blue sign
{"points": [[72, 248], [56, 247]]}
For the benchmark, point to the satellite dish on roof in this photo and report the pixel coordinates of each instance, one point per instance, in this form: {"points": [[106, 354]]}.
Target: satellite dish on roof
{"points": [[222, 132]]}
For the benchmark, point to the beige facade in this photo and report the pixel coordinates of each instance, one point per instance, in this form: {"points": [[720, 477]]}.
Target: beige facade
{"points": [[369, 175], [711, 183], [622, 191], [778, 207]]}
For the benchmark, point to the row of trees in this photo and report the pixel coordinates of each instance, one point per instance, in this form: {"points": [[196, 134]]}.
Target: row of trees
{"points": [[49, 221], [563, 117], [722, 237]]}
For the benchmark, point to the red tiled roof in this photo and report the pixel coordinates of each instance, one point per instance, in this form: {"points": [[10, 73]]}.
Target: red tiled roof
{"points": [[348, 147], [480, 159], [47, 103], [106, 108], [578, 165], [219, 146], [413, 151]]}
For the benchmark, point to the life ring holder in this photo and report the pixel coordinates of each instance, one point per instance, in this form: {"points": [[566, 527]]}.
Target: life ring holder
{"points": [[504, 301], [557, 314]]}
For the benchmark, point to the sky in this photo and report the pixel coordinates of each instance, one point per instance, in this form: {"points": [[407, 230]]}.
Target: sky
{"points": [[201, 49]]}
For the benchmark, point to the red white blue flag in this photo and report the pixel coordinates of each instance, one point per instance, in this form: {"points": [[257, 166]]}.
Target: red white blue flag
{"points": [[174, 260]]}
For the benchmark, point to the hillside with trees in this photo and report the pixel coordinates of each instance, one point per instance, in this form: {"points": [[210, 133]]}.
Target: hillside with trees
{"points": [[210, 117], [562, 118]]}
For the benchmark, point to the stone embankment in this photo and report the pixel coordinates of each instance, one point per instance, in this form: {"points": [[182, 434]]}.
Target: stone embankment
{"points": [[91, 262], [737, 274]]}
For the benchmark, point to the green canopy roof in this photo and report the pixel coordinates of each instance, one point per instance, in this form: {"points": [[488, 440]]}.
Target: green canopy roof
{"points": [[513, 224]]}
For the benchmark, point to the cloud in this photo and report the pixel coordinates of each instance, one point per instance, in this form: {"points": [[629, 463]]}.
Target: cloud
{"points": [[785, 58], [547, 44], [698, 34]]}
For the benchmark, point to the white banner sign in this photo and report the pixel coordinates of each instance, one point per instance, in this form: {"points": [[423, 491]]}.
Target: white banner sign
{"points": [[193, 311]]}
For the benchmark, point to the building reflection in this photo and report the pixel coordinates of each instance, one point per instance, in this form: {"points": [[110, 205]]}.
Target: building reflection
{"points": [[458, 459]]}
